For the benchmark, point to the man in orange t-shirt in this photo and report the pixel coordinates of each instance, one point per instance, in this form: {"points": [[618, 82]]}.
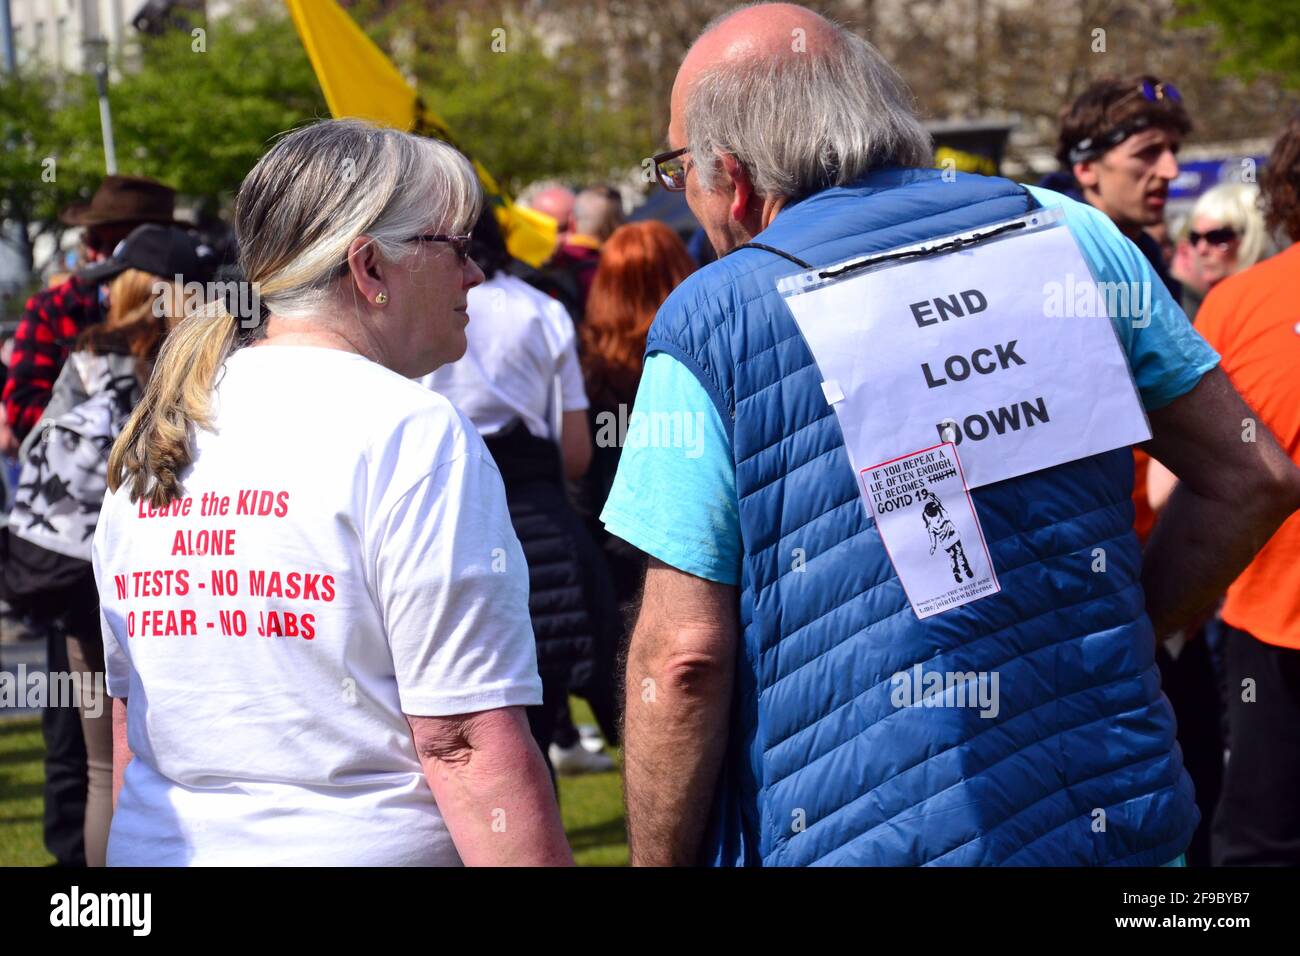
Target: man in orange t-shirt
{"points": [[1252, 320]]}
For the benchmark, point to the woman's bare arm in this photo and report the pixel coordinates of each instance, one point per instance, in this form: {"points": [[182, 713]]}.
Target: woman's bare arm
{"points": [[121, 749], [492, 788]]}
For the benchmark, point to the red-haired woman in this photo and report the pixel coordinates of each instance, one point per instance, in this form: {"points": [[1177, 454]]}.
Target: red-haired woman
{"points": [[640, 264]]}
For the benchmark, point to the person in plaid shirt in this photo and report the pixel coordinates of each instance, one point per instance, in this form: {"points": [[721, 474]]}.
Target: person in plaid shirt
{"points": [[54, 317], [49, 327]]}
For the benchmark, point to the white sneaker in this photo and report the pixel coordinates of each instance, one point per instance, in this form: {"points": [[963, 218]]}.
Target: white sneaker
{"points": [[590, 738], [571, 761]]}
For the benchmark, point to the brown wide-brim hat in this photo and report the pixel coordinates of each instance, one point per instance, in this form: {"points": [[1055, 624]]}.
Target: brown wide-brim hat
{"points": [[122, 199]]}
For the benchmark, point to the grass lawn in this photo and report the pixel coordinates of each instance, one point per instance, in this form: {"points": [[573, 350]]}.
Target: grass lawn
{"points": [[21, 807], [592, 805]]}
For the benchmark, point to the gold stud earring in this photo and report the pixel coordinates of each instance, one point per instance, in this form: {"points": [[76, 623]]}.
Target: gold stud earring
{"points": [[381, 298]]}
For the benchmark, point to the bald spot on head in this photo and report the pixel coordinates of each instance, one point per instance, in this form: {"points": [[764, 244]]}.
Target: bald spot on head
{"points": [[556, 202], [766, 30]]}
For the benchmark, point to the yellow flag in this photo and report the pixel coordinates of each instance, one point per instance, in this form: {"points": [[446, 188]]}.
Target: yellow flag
{"points": [[530, 235], [355, 76], [358, 80]]}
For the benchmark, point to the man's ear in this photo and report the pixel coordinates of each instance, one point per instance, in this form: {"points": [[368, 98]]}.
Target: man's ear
{"points": [[742, 187], [1086, 174], [365, 266]]}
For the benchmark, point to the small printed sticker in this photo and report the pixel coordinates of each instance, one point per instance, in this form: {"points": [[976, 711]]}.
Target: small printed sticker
{"points": [[931, 533]]}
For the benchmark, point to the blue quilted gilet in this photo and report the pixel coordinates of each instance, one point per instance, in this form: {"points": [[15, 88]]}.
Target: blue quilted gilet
{"points": [[1080, 765]]}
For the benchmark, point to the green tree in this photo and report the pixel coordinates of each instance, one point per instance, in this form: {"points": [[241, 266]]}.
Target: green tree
{"points": [[526, 106], [201, 107], [194, 110], [1256, 37], [35, 181]]}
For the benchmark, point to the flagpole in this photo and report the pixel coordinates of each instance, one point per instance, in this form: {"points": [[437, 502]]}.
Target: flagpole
{"points": [[97, 60], [7, 38]]}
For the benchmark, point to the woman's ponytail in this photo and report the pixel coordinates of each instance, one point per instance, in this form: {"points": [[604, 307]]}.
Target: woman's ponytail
{"points": [[155, 446]]}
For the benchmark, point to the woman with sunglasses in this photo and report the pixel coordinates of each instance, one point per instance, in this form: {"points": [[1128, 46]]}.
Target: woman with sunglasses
{"points": [[315, 609], [1227, 236]]}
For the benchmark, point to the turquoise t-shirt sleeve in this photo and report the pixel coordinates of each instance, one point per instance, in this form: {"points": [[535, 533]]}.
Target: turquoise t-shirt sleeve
{"points": [[674, 496], [1167, 355]]}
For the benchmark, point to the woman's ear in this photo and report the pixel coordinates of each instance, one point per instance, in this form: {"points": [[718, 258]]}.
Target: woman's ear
{"points": [[366, 269]]}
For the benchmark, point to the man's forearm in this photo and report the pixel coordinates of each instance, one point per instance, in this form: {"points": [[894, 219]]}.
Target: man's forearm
{"points": [[675, 735], [1236, 486], [1198, 548]]}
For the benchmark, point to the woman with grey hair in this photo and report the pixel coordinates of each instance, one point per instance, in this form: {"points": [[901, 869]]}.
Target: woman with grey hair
{"points": [[314, 606]]}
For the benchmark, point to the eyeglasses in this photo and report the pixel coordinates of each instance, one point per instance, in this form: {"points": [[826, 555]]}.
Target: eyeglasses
{"points": [[671, 169], [1220, 237], [459, 244]]}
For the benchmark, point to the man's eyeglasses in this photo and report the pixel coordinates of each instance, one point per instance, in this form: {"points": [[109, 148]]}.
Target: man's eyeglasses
{"points": [[671, 168], [459, 244], [1220, 237]]}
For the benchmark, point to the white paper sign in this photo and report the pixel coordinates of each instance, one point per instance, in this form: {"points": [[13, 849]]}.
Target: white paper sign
{"points": [[969, 340], [930, 530]]}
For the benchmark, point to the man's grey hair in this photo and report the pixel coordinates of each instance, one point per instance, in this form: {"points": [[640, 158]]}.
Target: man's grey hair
{"points": [[804, 121]]}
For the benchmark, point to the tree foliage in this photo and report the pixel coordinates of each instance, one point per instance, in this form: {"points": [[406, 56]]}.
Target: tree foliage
{"points": [[193, 110], [1256, 37], [35, 182], [201, 108], [527, 105]]}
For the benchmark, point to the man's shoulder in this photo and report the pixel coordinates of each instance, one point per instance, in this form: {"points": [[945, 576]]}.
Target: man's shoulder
{"points": [[740, 272], [533, 300], [576, 255], [67, 298], [1111, 254], [705, 299], [43, 300], [1078, 214]]}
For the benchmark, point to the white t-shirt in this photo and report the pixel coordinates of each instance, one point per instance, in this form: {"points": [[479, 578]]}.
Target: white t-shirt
{"points": [[342, 555], [521, 363]]}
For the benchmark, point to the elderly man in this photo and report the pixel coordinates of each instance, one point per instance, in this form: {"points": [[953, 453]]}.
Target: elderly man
{"points": [[553, 198], [780, 707]]}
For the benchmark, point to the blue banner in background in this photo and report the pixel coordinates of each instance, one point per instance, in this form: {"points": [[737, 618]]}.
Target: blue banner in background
{"points": [[1196, 176]]}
